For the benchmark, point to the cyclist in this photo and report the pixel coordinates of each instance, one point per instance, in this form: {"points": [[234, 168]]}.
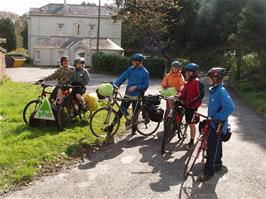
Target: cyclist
{"points": [[79, 78], [219, 108], [137, 83], [173, 79], [192, 97], [62, 76]]}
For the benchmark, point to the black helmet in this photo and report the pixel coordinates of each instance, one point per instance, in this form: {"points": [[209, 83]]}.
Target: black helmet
{"points": [[218, 72], [63, 58]]}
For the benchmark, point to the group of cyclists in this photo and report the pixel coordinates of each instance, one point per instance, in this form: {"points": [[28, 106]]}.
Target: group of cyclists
{"points": [[189, 89]]}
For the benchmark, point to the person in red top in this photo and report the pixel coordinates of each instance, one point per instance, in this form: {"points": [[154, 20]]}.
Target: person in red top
{"points": [[191, 97], [173, 79]]}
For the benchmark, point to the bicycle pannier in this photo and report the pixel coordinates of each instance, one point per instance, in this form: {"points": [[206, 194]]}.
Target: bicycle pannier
{"points": [[91, 102], [156, 114], [152, 100]]}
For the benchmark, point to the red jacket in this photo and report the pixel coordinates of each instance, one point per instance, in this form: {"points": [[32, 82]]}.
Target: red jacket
{"points": [[191, 94]]}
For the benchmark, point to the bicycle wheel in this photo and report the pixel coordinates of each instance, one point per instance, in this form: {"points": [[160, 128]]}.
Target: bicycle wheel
{"points": [[101, 119], [192, 157], [169, 132], [182, 130], [31, 107], [144, 125], [63, 116]]}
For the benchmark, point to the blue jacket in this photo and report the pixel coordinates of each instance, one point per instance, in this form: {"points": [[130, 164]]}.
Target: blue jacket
{"points": [[220, 106], [136, 76]]}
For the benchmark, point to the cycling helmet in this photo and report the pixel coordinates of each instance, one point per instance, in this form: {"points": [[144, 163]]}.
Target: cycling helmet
{"points": [[63, 58], [137, 57], [77, 60], [82, 60], [217, 72], [176, 64], [192, 67]]}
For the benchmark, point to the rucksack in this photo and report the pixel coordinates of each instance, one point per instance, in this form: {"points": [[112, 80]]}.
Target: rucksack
{"points": [[201, 90]]}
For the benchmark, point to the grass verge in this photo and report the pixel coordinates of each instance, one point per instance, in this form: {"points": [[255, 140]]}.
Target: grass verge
{"points": [[25, 151], [257, 99]]}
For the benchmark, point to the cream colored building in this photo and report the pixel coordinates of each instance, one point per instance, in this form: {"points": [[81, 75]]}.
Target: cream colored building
{"points": [[66, 29], [2, 59]]}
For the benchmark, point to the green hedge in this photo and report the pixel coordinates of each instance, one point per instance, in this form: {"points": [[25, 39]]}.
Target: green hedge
{"points": [[117, 64]]}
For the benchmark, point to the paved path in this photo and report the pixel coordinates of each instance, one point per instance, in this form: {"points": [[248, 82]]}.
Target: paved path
{"points": [[134, 168]]}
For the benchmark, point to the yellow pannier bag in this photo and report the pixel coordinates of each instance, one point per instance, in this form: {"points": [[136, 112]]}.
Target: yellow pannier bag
{"points": [[91, 101]]}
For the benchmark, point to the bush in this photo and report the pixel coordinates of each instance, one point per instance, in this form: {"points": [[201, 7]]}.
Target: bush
{"points": [[117, 64]]}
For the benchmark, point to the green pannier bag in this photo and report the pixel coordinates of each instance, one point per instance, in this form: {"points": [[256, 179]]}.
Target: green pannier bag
{"points": [[106, 89], [168, 92]]}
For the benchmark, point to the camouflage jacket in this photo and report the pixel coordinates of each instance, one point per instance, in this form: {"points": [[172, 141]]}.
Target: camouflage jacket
{"points": [[62, 75]]}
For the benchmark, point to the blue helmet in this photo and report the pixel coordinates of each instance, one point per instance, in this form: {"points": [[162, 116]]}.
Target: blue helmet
{"points": [[137, 57], [192, 67], [176, 64]]}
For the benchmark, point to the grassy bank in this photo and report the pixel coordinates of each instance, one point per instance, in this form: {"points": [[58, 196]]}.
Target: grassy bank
{"points": [[24, 150], [257, 99]]}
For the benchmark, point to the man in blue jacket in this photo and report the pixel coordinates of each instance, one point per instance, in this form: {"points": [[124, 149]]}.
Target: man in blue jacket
{"points": [[137, 83], [219, 109]]}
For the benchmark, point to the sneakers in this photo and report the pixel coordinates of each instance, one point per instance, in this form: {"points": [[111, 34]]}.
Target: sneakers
{"points": [[190, 145], [205, 178], [84, 108]]}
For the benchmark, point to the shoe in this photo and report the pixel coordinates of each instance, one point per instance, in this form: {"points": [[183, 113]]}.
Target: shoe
{"points": [[108, 129], [84, 108], [205, 178], [190, 146], [134, 129], [128, 123]]}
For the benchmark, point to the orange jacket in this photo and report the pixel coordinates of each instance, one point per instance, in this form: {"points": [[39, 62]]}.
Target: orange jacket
{"points": [[173, 80]]}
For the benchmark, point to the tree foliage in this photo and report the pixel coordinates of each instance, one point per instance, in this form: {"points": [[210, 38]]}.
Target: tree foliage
{"points": [[7, 30]]}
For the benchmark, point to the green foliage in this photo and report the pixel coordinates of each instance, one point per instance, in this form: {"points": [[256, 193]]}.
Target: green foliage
{"points": [[255, 98], [25, 150], [117, 64], [7, 30]]}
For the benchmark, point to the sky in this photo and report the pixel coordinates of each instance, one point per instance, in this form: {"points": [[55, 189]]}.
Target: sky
{"points": [[22, 6]]}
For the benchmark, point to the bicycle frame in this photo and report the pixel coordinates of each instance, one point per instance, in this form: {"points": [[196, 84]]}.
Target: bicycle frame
{"points": [[113, 100]]}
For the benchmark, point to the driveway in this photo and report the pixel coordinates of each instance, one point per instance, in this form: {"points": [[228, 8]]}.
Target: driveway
{"points": [[134, 168]]}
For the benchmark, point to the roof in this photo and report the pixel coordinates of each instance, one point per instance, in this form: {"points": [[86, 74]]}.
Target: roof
{"points": [[69, 42], [70, 9]]}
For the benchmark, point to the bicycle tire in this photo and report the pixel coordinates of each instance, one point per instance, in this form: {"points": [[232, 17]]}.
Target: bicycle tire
{"points": [[169, 132], [192, 157], [28, 113], [100, 119], [63, 116], [144, 125]]}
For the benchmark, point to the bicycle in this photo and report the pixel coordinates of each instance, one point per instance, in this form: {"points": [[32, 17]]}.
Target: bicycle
{"points": [[32, 107], [140, 120], [69, 108], [200, 145], [174, 122]]}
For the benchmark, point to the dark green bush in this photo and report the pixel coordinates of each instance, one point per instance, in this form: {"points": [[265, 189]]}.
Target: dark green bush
{"points": [[117, 64]]}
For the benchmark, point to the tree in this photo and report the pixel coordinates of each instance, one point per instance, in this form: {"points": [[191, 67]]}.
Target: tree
{"points": [[251, 36], [7, 30]]}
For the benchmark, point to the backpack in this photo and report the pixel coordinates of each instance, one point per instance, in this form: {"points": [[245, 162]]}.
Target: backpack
{"points": [[201, 90]]}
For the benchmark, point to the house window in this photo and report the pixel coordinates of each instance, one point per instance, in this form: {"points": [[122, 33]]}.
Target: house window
{"points": [[81, 54], [78, 30], [61, 28], [37, 55]]}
